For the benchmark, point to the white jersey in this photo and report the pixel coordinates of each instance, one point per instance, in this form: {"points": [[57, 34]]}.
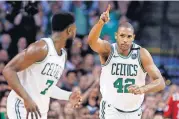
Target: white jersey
{"points": [[41, 76], [118, 73]]}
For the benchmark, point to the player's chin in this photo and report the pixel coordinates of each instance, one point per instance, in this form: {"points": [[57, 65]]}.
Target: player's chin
{"points": [[125, 48]]}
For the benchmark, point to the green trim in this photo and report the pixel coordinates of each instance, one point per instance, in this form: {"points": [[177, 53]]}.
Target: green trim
{"points": [[109, 57], [66, 57], [103, 110], [140, 63], [17, 109], [122, 56], [128, 111]]}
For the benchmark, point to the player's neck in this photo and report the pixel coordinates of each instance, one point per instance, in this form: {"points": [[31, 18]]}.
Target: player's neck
{"points": [[59, 42], [124, 52]]}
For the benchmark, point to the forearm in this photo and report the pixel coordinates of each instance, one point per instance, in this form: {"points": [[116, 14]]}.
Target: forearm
{"points": [[13, 81], [58, 93], [87, 93], [154, 86], [95, 32]]}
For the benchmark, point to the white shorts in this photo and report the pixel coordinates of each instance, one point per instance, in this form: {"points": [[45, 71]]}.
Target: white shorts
{"points": [[107, 111], [16, 109]]}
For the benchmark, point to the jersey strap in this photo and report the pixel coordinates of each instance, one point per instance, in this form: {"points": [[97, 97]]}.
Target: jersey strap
{"points": [[139, 58], [109, 57]]}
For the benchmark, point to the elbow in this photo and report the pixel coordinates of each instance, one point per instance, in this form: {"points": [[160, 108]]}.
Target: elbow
{"points": [[162, 84], [89, 40], [6, 71]]}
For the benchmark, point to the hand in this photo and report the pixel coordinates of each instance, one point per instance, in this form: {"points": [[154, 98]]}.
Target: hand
{"points": [[75, 99], [105, 16], [134, 89], [32, 108]]}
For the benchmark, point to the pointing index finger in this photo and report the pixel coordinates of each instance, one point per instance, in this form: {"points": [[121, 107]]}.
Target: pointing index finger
{"points": [[108, 9]]}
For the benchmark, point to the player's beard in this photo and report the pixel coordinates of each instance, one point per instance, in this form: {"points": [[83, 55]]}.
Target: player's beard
{"points": [[69, 43]]}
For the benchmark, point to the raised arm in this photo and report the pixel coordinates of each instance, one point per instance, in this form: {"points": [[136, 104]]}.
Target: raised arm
{"points": [[96, 44]]}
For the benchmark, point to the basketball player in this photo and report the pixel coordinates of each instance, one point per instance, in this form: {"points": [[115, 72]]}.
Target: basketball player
{"points": [[33, 73], [124, 68]]}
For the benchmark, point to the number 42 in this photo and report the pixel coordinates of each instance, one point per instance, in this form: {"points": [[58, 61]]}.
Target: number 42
{"points": [[123, 88]]}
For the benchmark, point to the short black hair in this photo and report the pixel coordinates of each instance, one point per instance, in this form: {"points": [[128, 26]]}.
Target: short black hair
{"points": [[126, 25], [70, 71], [61, 20]]}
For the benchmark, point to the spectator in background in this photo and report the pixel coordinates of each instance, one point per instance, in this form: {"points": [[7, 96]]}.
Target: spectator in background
{"points": [[4, 55], [74, 62], [21, 44], [88, 63], [93, 18], [55, 7], [26, 24], [85, 49], [172, 108], [111, 27], [83, 83], [3, 114], [2, 80], [80, 12], [41, 21], [70, 113], [55, 106], [5, 42], [71, 80], [40, 18], [149, 107], [92, 104], [1, 27], [2, 65], [158, 115], [171, 90], [76, 48], [96, 72]]}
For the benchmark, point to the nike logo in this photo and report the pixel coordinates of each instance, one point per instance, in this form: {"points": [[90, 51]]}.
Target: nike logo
{"points": [[115, 56]]}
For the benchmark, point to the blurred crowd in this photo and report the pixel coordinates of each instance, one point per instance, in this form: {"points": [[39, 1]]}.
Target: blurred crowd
{"points": [[156, 25]]}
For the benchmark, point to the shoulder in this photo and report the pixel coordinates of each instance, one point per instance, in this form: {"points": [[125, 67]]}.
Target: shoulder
{"points": [[146, 58], [37, 49], [38, 46], [144, 53]]}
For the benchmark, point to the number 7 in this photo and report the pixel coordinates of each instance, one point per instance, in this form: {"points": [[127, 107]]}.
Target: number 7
{"points": [[49, 83]]}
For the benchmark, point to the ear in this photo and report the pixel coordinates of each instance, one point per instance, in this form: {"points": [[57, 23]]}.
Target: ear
{"points": [[115, 35], [133, 37], [69, 30]]}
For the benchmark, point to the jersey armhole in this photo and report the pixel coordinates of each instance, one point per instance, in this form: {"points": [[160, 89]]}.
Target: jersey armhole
{"points": [[66, 56], [109, 57], [39, 62], [139, 59]]}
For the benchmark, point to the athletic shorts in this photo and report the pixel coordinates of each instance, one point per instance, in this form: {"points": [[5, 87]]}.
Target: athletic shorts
{"points": [[16, 109], [107, 111]]}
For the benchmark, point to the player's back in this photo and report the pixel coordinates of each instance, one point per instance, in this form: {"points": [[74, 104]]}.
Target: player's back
{"points": [[41, 76], [118, 73]]}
